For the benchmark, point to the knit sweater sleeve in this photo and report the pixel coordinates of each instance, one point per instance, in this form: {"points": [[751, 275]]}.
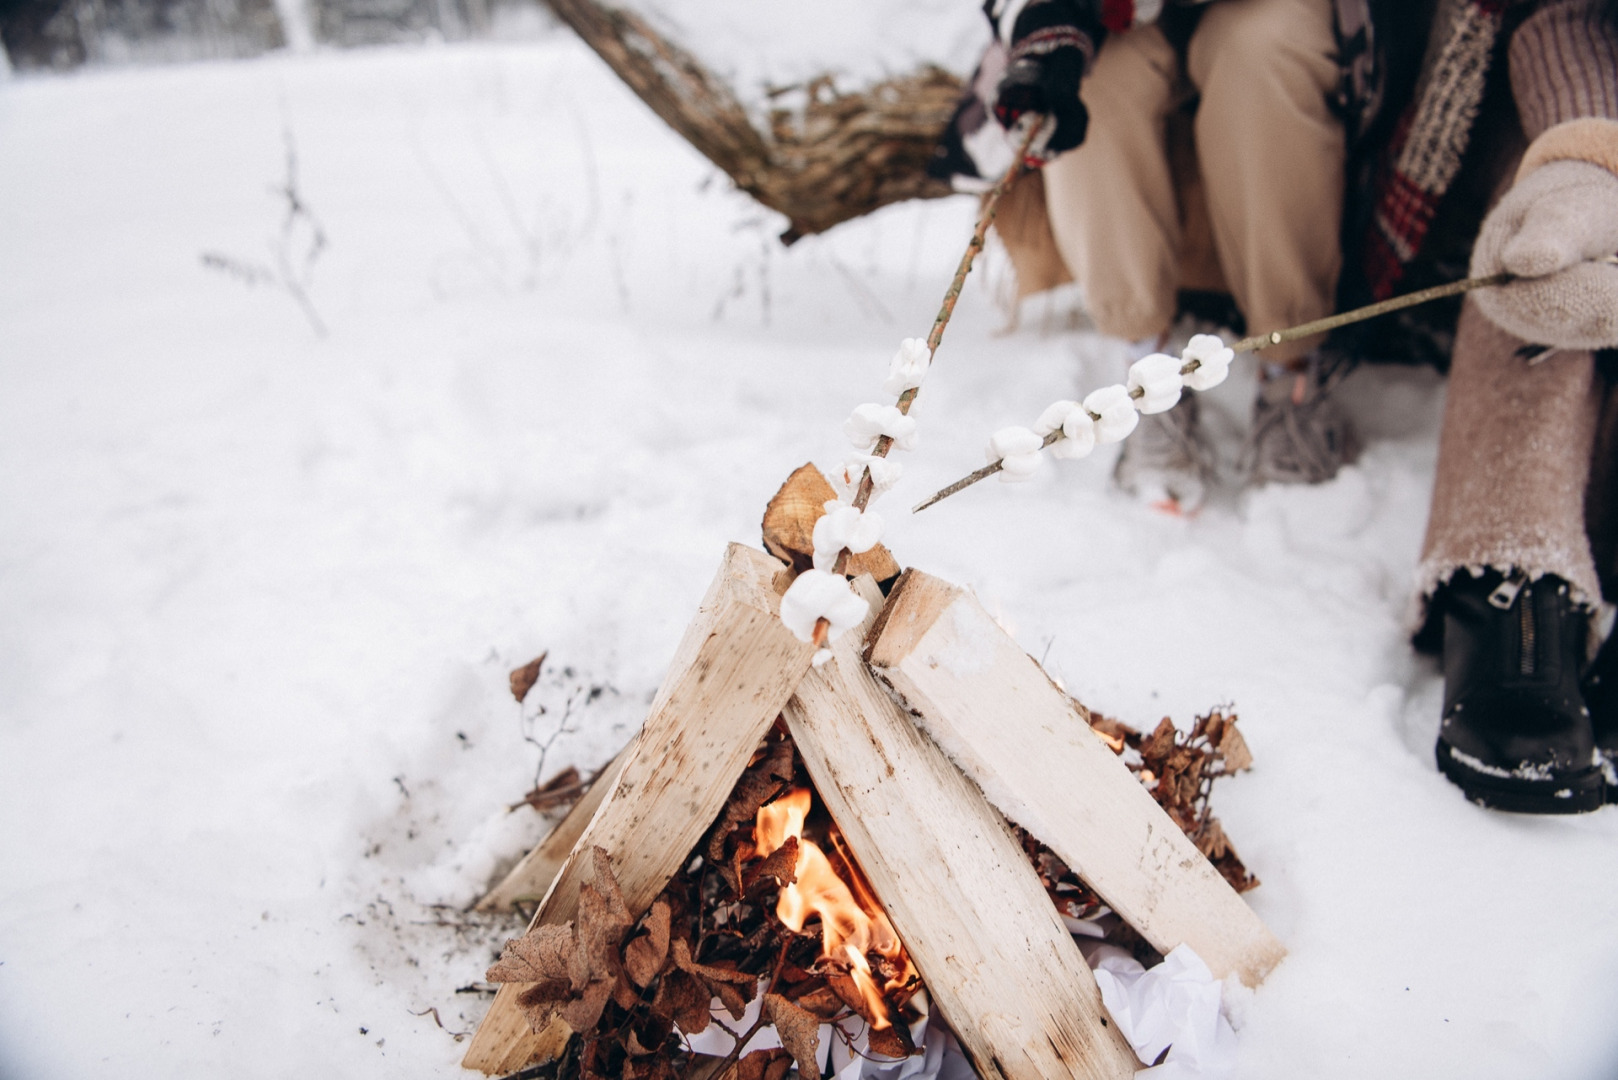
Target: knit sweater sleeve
{"points": [[1564, 76]]}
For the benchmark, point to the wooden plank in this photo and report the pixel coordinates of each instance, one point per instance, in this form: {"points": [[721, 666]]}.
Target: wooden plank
{"points": [[994, 954], [998, 716], [732, 674], [531, 878]]}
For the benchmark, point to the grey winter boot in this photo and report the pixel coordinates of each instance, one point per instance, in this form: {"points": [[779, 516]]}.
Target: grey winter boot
{"points": [[1300, 435], [1166, 462]]}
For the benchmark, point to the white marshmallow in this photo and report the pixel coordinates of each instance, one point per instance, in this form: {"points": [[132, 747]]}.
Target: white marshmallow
{"points": [[1017, 449], [819, 594], [1212, 358], [909, 366], [870, 422], [1113, 412], [1157, 377]]}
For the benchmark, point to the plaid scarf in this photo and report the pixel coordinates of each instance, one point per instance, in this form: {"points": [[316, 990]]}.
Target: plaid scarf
{"points": [[1431, 138]]}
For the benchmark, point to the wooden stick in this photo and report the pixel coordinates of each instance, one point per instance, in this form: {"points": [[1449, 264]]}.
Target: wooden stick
{"points": [[998, 716], [992, 950], [730, 678], [935, 337], [1276, 337]]}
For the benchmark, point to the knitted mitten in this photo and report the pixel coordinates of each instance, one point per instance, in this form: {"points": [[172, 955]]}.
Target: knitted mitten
{"points": [[1552, 228]]}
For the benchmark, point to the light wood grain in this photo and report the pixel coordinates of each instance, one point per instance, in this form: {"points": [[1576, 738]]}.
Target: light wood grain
{"points": [[531, 878], [731, 676], [992, 950], [998, 716]]}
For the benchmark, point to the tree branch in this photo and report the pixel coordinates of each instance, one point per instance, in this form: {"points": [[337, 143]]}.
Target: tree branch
{"points": [[837, 157]]}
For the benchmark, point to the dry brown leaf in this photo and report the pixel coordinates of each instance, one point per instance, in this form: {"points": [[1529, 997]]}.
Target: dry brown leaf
{"points": [[524, 678], [1160, 742], [584, 1012], [682, 960], [843, 985], [539, 955], [624, 992], [645, 956], [732, 997], [603, 921], [771, 1064], [684, 999], [822, 1001], [540, 1003], [781, 865], [892, 1041], [563, 789], [757, 786], [799, 1031], [1233, 748]]}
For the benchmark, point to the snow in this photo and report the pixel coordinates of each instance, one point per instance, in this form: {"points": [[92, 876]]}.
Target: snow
{"points": [[263, 588], [763, 44]]}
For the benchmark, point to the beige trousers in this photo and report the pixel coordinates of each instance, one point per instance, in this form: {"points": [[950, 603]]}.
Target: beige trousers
{"points": [[1270, 155]]}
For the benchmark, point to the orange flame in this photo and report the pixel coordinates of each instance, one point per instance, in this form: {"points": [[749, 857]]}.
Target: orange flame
{"points": [[851, 926]]}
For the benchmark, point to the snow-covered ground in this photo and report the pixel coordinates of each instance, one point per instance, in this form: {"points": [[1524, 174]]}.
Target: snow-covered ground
{"points": [[261, 588]]}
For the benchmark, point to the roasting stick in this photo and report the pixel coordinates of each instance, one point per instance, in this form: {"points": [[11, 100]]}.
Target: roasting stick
{"points": [[1019, 165], [991, 202], [1275, 337]]}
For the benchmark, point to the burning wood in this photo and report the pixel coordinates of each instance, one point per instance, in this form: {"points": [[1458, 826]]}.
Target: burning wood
{"points": [[770, 906]]}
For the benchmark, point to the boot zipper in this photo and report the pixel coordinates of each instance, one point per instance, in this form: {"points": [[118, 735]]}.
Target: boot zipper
{"points": [[1526, 658], [1505, 593]]}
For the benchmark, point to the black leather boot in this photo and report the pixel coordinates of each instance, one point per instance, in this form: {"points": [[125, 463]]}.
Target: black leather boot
{"points": [[1516, 734], [1601, 695]]}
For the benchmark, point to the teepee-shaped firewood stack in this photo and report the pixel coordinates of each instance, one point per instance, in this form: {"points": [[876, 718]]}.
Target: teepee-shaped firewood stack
{"points": [[922, 734]]}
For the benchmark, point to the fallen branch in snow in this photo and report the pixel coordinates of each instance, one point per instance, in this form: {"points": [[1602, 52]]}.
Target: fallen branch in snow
{"points": [[1255, 343], [835, 157]]}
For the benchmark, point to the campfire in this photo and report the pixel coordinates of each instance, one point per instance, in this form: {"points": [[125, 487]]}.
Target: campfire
{"points": [[786, 868]]}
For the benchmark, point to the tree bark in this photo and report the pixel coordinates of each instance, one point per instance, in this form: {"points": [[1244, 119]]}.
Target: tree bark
{"points": [[836, 156]]}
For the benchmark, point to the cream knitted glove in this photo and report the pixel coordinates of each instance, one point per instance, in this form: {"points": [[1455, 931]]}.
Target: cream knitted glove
{"points": [[1549, 228]]}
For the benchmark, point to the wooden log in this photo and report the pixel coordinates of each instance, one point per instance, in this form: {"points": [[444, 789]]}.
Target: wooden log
{"points": [[531, 878], [732, 674], [990, 946], [995, 712]]}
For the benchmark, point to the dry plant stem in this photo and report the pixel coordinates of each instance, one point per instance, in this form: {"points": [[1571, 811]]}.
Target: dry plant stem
{"points": [[862, 495], [763, 1017], [1275, 337]]}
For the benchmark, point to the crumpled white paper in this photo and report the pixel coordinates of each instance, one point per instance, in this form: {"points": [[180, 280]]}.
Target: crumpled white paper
{"points": [[846, 1046], [1174, 1005]]}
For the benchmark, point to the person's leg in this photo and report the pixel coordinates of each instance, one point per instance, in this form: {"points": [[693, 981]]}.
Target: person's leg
{"points": [[1272, 157], [1508, 567], [1111, 200], [1513, 462]]}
